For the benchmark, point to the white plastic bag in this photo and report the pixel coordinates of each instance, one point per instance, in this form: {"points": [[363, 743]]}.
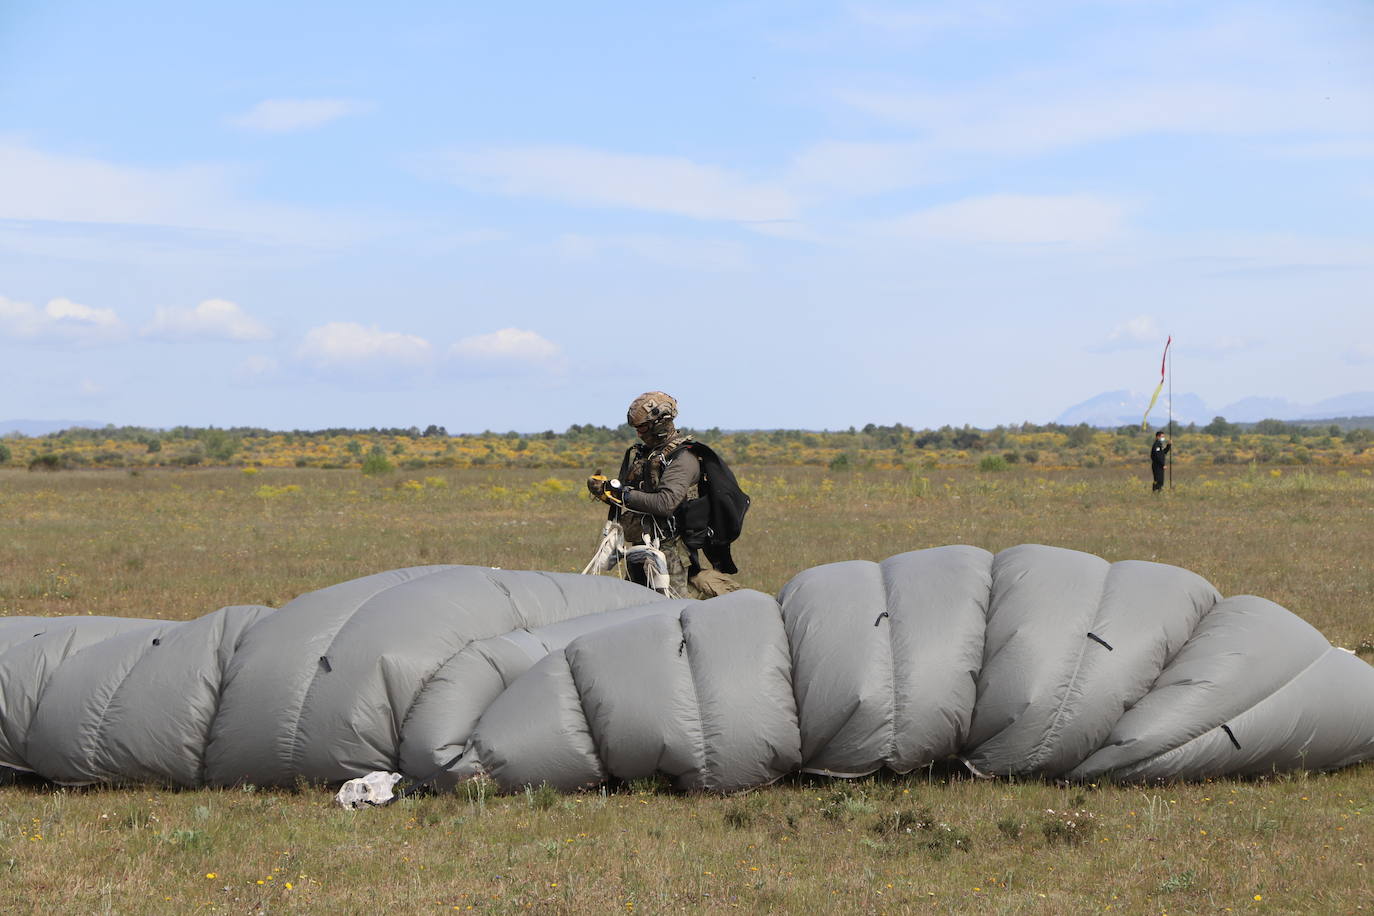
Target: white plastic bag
{"points": [[370, 790]]}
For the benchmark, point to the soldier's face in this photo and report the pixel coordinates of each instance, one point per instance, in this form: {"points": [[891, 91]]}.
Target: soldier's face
{"points": [[646, 431]]}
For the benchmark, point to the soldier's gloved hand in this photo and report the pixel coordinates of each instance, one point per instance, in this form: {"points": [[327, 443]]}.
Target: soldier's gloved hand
{"points": [[608, 491], [596, 484]]}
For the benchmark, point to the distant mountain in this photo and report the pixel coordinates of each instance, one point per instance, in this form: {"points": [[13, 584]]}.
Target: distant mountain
{"points": [[1118, 408], [43, 427], [1122, 408]]}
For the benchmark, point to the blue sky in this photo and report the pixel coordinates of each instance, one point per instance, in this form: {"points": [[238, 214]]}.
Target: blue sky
{"points": [[786, 214]]}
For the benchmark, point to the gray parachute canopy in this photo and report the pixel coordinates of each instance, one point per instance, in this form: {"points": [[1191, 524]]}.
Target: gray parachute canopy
{"points": [[1036, 661]]}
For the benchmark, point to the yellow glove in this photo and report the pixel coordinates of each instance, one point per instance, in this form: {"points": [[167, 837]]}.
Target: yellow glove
{"points": [[609, 491]]}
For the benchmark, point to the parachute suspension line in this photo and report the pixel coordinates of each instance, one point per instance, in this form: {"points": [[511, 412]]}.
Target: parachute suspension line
{"points": [[880, 618]]}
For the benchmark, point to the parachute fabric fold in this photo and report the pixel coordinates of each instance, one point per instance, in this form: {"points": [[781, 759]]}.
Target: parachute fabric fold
{"points": [[1035, 661]]}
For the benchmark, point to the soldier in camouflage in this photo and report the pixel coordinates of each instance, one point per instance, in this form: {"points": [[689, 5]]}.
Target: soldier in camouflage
{"points": [[657, 476]]}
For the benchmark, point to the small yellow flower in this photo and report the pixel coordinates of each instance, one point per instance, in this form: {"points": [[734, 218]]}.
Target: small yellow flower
{"points": [[1259, 896], [210, 874]]}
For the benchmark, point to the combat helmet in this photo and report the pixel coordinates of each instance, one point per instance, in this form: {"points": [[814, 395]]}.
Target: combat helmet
{"points": [[655, 408]]}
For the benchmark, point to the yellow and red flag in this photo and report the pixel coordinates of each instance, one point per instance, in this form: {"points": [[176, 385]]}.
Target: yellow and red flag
{"points": [[1144, 423]]}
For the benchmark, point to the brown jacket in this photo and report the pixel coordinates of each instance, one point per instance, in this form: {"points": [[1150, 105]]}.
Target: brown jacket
{"points": [[680, 476]]}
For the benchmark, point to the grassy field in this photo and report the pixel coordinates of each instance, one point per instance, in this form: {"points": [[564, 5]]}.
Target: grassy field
{"points": [[176, 544]]}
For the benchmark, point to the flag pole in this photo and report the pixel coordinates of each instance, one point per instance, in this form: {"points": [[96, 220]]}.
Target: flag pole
{"points": [[1171, 420]]}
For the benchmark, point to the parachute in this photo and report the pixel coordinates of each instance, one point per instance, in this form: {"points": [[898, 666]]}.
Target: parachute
{"points": [[1033, 662]]}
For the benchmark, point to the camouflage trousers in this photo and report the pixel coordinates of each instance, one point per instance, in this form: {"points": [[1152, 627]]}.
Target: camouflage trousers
{"points": [[675, 552]]}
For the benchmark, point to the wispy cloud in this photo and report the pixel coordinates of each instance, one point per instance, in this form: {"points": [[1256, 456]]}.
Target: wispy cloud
{"points": [[506, 349], [1132, 334], [213, 319], [255, 370], [280, 116], [847, 169], [42, 187], [60, 321], [1016, 219], [347, 346], [1219, 72], [598, 178]]}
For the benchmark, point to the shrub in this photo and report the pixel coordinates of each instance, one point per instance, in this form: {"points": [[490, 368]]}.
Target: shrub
{"points": [[543, 796], [1080, 435], [376, 462], [942, 839], [5, 453], [45, 462], [1068, 827], [992, 463]]}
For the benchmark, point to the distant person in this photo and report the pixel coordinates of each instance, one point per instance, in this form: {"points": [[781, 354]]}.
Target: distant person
{"points": [[1159, 453], [656, 501]]}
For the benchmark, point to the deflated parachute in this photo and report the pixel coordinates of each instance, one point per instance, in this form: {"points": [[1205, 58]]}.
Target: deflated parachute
{"points": [[1037, 661]]}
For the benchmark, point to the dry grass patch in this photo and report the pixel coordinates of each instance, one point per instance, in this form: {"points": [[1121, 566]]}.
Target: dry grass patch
{"points": [[179, 544]]}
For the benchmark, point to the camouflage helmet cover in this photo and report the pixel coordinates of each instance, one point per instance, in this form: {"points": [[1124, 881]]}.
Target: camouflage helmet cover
{"points": [[650, 407]]}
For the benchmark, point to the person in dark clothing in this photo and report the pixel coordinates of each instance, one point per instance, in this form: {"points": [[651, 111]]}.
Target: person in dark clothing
{"points": [[1159, 453], [658, 475], [669, 510]]}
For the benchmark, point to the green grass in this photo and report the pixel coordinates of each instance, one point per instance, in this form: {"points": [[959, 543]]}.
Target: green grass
{"points": [[178, 544]]}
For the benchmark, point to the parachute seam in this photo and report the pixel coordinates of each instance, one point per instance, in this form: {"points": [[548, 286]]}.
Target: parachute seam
{"points": [[219, 695], [431, 675], [1042, 747], [892, 654], [1227, 719], [294, 759], [99, 730], [23, 750], [704, 754], [592, 736]]}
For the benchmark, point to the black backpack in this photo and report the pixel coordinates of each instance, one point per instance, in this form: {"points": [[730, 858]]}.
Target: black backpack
{"points": [[713, 520]]}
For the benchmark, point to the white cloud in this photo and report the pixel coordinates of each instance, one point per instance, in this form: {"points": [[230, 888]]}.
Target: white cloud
{"points": [[1228, 73], [213, 319], [345, 345], [1131, 334], [508, 345], [41, 187], [847, 169], [286, 115], [596, 178], [1016, 219], [61, 320]]}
